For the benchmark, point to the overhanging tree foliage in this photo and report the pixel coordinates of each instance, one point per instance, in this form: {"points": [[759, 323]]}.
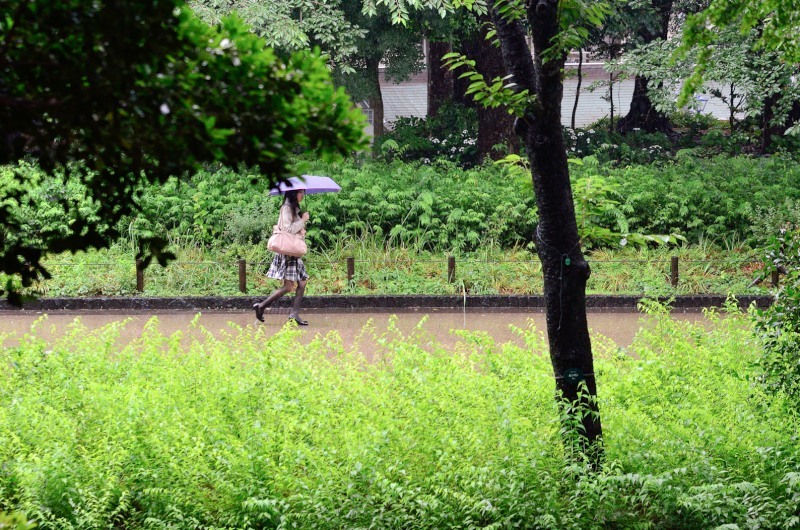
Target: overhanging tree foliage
{"points": [[117, 94], [356, 42], [292, 25], [776, 22]]}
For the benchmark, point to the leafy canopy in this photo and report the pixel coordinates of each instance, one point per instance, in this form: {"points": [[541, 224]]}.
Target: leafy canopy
{"points": [[292, 25], [116, 94], [776, 22]]}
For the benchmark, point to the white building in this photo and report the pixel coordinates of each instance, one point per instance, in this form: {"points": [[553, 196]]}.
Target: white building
{"points": [[410, 98]]}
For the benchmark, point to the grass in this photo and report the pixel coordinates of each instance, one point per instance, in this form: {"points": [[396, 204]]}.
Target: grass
{"points": [[246, 430], [703, 269]]}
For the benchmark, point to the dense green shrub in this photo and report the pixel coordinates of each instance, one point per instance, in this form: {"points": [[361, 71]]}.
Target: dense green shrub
{"points": [[243, 429], [46, 206], [441, 207], [425, 206], [779, 325], [702, 134], [718, 197], [450, 135], [691, 124], [615, 148]]}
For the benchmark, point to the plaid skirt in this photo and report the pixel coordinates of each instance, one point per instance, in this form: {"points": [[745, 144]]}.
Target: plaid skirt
{"points": [[287, 268]]}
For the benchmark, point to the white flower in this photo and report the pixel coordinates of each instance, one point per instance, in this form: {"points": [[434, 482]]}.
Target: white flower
{"points": [[164, 108]]}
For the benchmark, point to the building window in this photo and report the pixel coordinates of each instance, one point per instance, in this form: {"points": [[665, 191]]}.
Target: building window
{"points": [[370, 115]]}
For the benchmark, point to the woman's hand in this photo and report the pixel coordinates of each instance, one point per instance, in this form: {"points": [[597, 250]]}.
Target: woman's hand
{"points": [[305, 216]]}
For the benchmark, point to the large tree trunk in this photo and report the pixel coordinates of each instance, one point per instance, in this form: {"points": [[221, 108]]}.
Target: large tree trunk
{"points": [[770, 130], [495, 126], [440, 79], [642, 114], [375, 99], [557, 243]]}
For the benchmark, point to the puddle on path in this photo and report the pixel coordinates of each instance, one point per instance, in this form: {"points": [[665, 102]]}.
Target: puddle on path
{"points": [[619, 327]]}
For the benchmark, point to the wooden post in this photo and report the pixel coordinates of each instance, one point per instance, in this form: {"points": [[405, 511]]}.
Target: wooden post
{"points": [[139, 276], [775, 278], [351, 270], [242, 276], [451, 269], [673, 271]]}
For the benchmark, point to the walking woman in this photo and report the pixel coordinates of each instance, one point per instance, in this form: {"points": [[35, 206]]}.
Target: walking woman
{"points": [[288, 268]]}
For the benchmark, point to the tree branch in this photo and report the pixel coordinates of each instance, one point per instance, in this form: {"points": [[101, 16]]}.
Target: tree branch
{"points": [[516, 53]]}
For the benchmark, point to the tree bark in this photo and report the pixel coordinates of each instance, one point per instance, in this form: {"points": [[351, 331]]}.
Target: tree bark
{"points": [[611, 100], [769, 130], [375, 99], [557, 242], [578, 88], [495, 126], [642, 114], [440, 79]]}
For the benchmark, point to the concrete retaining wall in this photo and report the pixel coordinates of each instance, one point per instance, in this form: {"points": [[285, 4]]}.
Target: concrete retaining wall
{"points": [[371, 303]]}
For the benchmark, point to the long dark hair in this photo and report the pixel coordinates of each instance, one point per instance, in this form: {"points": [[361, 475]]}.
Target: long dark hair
{"points": [[291, 197]]}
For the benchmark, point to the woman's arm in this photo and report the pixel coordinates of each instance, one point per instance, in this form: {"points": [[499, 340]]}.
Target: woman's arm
{"points": [[288, 222]]}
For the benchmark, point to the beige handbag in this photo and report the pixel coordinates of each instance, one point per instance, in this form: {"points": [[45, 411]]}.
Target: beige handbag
{"points": [[282, 242]]}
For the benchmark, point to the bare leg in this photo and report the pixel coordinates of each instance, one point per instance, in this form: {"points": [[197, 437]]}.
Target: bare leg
{"points": [[298, 300], [277, 293]]}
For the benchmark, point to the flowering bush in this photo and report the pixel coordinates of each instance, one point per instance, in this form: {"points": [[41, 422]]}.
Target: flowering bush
{"points": [[451, 134], [634, 148]]}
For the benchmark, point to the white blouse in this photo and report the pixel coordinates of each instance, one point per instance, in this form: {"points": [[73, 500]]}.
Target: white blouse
{"points": [[288, 221]]}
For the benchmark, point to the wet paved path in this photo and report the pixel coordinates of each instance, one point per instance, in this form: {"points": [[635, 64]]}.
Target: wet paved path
{"points": [[620, 327]]}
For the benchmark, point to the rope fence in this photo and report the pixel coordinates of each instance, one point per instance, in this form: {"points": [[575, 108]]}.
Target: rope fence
{"points": [[243, 269]]}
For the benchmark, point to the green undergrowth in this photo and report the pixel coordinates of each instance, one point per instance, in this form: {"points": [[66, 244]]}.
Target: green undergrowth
{"points": [[400, 270], [251, 431]]}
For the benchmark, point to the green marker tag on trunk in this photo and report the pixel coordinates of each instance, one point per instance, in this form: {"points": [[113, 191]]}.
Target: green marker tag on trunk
{"points": [[573, 376]]}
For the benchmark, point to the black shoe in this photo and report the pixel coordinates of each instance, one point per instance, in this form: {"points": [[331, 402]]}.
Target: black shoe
{"points": [[299, 321], [259, 312]]}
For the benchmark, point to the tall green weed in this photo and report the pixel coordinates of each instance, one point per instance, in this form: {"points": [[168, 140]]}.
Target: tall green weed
{"points": [[246, 430]]}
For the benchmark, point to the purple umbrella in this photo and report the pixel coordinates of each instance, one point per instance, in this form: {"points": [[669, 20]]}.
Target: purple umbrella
{"points": [[311, 183]]}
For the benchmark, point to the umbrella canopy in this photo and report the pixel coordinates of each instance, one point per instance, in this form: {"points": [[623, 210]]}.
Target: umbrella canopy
{"points": [[311, 183]]}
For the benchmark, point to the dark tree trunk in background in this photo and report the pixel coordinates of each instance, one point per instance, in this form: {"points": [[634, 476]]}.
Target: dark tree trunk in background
{"points": [[611, 100], [770, 130], [471, 48], [375, 100], [495, 126], [578, 88], [440, 79], [642, 114], [557, 243]]}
